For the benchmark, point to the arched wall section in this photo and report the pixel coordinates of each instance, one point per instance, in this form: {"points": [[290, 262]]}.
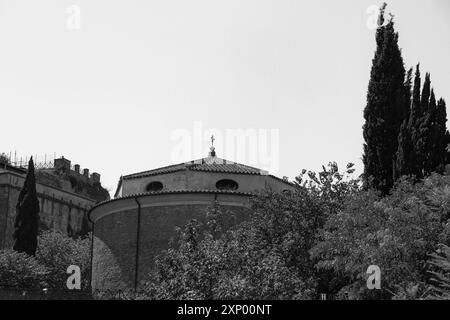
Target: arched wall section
{"points": [[183, 180], [124, 250]]}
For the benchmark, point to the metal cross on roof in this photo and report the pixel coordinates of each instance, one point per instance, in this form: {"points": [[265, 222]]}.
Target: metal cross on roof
{"points": [[212, 140]]}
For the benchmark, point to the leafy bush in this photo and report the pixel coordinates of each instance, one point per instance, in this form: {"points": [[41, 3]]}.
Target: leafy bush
{"points": [[396, 233], [440, 270], [48, 269], [320, 238], [264, 258], [18, 270], [57, 252]]}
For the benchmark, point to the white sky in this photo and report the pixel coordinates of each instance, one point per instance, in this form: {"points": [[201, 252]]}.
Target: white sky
{"points": [[110, 95]]}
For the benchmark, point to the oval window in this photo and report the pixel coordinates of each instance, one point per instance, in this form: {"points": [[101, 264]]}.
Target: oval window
{"points": [[154, 186], [227, 184]]}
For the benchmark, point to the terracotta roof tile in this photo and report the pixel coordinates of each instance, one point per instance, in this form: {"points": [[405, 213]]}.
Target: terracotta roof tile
{"points": [[210, 164]]}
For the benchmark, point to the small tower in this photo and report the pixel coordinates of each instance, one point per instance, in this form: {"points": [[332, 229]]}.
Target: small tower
{"points": [[62, 164]]}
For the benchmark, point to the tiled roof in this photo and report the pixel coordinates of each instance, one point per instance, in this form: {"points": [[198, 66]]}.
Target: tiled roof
{"points": [[210, 164]]}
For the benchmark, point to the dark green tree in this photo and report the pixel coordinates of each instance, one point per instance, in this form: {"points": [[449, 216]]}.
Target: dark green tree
{"points": [[26, 224], [430, 130], [428, 126], [447, 143], [438, 154], [416, 115], [385, 109], [415, 102], [423, 130], [426, 92], [405, 154]]}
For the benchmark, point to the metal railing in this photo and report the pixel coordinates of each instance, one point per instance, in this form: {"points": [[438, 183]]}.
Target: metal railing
{"points": [[40, 162]]}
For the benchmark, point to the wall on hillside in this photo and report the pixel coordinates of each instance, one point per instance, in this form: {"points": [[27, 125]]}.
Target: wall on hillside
{"points": [[59, 210]]}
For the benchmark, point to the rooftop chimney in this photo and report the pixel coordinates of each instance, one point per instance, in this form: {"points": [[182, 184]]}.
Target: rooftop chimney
{"points": [[62, 163], [95, 177]]}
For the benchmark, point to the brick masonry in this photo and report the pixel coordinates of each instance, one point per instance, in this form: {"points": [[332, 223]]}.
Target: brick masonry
{"points": [[115, 234]]}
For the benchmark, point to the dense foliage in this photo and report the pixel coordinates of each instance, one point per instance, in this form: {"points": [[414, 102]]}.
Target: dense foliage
{"points": [[425, 134], [266, 257], [19, 270], [57, 252], [320, 238], [440, 279], [48, 268], [397, 233]]}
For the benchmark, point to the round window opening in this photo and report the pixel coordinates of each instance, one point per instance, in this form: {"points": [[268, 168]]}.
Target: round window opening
{"points": [[227, 184], [154, 186]]}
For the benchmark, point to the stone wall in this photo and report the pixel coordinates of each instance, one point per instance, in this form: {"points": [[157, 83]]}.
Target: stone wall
{"points": [[59, 210]]}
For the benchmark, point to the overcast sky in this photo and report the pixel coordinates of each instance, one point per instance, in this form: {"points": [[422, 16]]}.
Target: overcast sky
{"points": [[112, 94]]}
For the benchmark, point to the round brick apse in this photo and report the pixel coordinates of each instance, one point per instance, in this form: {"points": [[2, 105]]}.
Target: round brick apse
{"points": [[132, 229], [129, 232]]}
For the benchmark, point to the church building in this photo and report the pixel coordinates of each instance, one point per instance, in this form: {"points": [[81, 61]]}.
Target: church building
{"points": [[130, 230]]}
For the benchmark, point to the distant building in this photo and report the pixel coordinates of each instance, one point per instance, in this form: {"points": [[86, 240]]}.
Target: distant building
{"points": [[65, 197], [130, 230]]}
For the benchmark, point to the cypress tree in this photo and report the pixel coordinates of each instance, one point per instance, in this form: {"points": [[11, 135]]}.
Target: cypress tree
{"points": [[415, 113], [414, 122], [426, 91], [422, 128], [27, 215], [385, 109], [407, 94], [428, 127], [447, 148], [430, 162], [403, 165], [439, 137], [404, 157]]}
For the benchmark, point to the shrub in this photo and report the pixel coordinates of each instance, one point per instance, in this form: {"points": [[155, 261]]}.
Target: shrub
{"points": [[57, 252], [440, 270], [264, 258], [18, 270], [396, 233]]}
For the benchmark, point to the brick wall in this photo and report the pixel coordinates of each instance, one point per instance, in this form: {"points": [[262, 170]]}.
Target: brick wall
{"points": [[114, 250], [4, 205]]}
